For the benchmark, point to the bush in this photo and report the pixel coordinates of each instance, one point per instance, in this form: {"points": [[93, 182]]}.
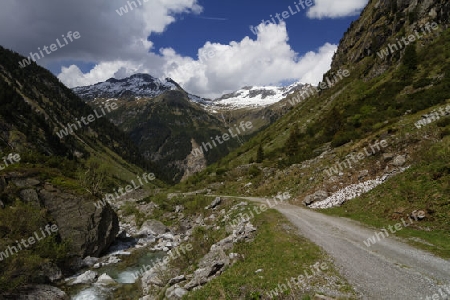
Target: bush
{"points": [[342, 138], [254, 171], [443, 122], [220, 171]]}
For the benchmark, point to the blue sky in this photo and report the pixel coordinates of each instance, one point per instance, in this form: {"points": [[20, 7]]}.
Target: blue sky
{"points": [[166, 37], [191, 32]]}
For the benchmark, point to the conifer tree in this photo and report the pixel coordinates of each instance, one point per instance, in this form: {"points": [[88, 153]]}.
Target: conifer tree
{"points": [[291, 146], [260, 154]]}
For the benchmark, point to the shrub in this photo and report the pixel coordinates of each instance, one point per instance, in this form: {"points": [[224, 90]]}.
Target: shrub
{"points": [[254, 171], [342, 138]]}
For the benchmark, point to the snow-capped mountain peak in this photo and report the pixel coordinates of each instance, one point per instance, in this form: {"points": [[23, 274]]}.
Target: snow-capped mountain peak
{"points": [[256, 96], [137, 85]]}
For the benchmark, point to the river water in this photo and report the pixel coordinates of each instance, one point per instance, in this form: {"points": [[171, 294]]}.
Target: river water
{"points": [[124, 273]]}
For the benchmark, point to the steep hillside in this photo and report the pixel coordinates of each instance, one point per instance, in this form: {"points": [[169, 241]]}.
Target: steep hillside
{"points": [[331, 138], [51, 178]]}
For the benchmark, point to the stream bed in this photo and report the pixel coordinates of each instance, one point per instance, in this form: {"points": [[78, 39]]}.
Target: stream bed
{"points": [[125, 273]]}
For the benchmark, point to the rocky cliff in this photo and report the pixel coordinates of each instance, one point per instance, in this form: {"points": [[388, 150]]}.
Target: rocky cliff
{"points": [[89, 230], [383, 22]]}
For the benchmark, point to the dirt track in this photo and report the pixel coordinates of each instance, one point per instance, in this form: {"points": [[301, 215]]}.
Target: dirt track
{"points": [[389, 269]]}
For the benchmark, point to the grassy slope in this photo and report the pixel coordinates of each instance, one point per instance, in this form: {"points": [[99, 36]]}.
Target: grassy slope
{"points": [[281, 254], [425, 186], [277, 249], [383, 107]]}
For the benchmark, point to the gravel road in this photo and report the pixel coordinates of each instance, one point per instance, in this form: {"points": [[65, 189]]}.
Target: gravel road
{"points": [[389, 269]]}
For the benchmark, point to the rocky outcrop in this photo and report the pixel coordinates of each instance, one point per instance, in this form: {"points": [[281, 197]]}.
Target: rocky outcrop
{"points": [[90, 230], [380, 23], [195, 162], [210, 265]]}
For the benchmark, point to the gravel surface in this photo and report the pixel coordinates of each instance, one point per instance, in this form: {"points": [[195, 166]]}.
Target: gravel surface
{"points": [[389, 269]]}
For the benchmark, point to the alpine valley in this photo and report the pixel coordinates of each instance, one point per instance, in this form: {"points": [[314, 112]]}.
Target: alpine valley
{"points": [[266, 192]]}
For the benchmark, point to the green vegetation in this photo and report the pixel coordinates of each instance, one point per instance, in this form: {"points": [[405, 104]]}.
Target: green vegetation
{"points": [[279, 252], [425, 186], [18, 222]]}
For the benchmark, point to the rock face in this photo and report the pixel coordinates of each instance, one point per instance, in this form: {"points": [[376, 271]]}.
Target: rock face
{"points": [[379, 25], [194, 162], [91, 230]]}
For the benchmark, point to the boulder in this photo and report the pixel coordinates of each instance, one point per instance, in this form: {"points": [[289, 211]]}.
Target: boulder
{"points": [[175, 292], [399, 160], [51, 271], [86, 277], [152, 227], [90, 230], [105, 279], [317, 196], [25, 182], [90, 261], [179, 208], [177, 279], [153, 277], [211, 264], [215, 203]]}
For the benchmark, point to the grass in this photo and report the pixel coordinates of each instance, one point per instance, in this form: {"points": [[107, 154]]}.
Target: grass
{"points": [[281, 254], [425, 186]]}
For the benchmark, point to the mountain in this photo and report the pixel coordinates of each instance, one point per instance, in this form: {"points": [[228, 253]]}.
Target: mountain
{"points": [[138, 85], [135, 86], [164, 121], [254, 96]]}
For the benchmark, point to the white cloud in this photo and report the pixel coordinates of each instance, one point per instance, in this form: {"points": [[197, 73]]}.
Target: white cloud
{"points": [[336, 9], [221, 68], [105, 36], [267, 60], [119, 46]]}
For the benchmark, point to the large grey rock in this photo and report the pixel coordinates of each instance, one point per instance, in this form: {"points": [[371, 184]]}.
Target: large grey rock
{"points": [[175, 292], [152, 227], [105, 279], [214, 203], [317, 196], [399, 160], [51, 271], [177, 279], [153, 277], [90, 261], [86, 277], [90, 230], [211, 264], [25, 182]]}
